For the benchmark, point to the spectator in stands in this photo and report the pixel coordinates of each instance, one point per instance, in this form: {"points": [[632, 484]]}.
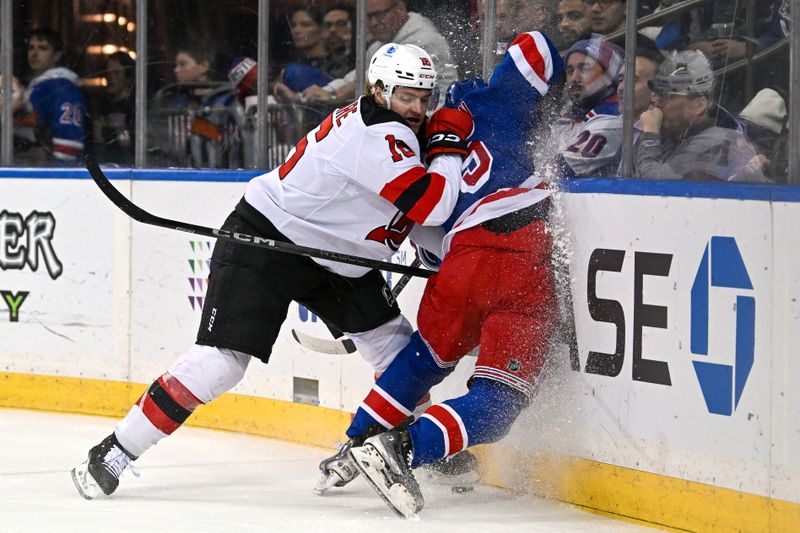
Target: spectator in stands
{"points": [[305, 22], [676, 31], [648, 59], [193, 63], [574, 21], [338, 24], [113, 124], [723, 35], [607, 15], [587, 141], [764, 122], [193, 74], [391, 21], [726, 40], [307, 69], [54, 124], [679, 139]]}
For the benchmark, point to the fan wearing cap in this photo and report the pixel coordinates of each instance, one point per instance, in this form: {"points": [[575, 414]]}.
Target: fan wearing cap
{"points": [[764, 122], [586, 141], [679, 137]]}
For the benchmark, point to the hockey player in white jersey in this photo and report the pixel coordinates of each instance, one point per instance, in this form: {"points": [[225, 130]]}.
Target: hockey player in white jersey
{"points": [[587, 140], [355, 184]]}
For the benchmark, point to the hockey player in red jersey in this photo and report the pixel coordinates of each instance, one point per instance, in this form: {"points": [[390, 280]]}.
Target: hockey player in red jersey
{"points": [[355, 184], [494, 290]]}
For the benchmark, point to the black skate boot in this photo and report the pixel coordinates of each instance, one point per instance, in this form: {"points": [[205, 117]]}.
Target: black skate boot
{"points": [[384, 460], [100, 472], [460, 471]]}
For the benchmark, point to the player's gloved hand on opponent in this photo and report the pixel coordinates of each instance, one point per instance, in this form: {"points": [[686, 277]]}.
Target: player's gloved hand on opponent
{"points": [[447, 132]]}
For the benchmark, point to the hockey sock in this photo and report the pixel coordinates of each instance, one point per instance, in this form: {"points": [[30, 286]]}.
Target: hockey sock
{"points": [[196, 378], [158, 412], [484, 414], [395, 394]]}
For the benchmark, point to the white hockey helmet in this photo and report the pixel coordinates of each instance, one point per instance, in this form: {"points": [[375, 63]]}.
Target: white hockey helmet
{"points": [[401, 65], [687, 72]]}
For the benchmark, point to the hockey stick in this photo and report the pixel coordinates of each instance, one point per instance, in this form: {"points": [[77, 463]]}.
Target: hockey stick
{"points": [[140, 215], [344, 346]]}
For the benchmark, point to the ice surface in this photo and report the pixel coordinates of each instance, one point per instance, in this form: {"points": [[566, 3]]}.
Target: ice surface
{"points": [[201, 481]]}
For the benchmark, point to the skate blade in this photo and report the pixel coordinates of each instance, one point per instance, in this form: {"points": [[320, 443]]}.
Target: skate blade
{"points": [[325, 483], [84, 482], [468, 479], [395, 495]]}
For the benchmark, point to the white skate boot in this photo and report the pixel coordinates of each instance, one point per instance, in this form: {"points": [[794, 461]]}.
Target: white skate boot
{"points": [[384, 460], [337, 470]]}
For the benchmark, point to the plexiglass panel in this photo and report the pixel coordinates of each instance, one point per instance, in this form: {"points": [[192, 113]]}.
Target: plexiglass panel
{"points": [[709, 99]]}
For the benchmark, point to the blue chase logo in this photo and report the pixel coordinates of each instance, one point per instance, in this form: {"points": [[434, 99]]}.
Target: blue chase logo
{"points": [[722, 266]]}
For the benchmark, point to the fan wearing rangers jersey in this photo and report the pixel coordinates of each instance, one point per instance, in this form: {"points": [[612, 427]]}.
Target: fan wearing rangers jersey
{"points": [[355, 184], [55, 108], [587, 141], [494, 290]]}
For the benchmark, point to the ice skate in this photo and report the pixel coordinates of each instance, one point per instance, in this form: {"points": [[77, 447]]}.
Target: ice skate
{"points": [[383, 459], [459, 471], [100, 473], [337, 470]]}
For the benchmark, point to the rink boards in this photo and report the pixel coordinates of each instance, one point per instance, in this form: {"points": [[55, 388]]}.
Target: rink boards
{"points": [[679, 407]]}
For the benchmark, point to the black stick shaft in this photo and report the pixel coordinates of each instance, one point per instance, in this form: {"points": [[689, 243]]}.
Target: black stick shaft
{"points": [[140, 215]]}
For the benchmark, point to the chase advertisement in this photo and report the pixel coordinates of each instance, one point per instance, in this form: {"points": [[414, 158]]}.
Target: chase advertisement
{"points": [[674, 327]]}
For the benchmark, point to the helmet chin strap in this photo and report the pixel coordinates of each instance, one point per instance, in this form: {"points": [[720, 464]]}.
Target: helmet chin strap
{"points": [[386, 92], [387, 96]]}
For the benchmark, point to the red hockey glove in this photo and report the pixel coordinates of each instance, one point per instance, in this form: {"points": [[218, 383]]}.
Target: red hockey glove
{"points": [[447, 133]]}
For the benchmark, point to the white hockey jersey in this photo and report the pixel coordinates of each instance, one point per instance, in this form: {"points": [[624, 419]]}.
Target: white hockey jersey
{"points": [[588, 147], [356, 185]]}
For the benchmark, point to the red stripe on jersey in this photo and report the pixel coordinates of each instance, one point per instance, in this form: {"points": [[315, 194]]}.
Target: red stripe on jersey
{"points": [[453, 434], [156, 416], [532, 54], [423, 207], [383, 408], [179, 392], [71, 151], [499, 195], [420, 212], [392, 190]]}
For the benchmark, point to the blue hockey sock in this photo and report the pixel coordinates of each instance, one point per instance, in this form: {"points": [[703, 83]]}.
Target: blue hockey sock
{"points": [[394, 396], [484, 414]]}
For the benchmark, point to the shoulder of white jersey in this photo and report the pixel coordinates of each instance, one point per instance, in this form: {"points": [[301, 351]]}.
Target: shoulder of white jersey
{"points": [[381, 122], [606, 122], [604, 118]]}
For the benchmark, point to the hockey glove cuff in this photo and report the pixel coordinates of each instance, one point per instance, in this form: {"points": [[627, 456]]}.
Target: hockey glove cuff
{"points": [[428, 259], [447, 133]]}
